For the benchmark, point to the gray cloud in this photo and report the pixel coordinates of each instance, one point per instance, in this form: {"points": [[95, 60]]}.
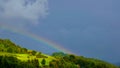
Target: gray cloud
{"points": [[22, 12]]}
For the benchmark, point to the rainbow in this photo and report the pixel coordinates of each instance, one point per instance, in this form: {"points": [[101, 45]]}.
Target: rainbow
{"points": [[36, 38]]}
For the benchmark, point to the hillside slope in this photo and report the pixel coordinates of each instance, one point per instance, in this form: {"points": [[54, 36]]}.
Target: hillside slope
{"points": [[14, 56], [8, 48]]}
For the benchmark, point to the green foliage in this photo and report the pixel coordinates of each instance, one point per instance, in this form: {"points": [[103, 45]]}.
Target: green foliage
{"points": [[82, 62], [10, 50], [92, 63], [61, 63], [12, 62], [14, 56], [34, 52], [43, 62], [59, 54], [40, 55], [7, 46]]}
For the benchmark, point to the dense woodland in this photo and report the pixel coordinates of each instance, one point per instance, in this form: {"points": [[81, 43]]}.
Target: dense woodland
{"points": [[61, 60]]}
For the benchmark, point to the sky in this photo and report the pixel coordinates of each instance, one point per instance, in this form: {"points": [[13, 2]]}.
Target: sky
{"points": [[85, 27]]}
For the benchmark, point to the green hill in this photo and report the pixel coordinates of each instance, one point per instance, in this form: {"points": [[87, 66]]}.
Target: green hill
{"points": [[14, 56], [8, 48]]}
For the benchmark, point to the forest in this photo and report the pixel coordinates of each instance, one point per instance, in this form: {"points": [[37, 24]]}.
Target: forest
{"points": [[15, 56]]}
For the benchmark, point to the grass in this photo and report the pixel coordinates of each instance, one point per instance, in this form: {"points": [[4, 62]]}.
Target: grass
{"points": [[5, 53], [26, 57]]}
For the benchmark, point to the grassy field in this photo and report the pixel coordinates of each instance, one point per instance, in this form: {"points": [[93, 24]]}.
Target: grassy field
{"points": [[26, 57]]}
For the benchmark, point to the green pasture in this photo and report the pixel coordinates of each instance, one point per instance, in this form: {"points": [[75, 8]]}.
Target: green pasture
{"points": [[26, 57]]}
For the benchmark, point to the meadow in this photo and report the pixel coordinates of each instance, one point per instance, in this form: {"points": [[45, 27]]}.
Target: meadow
{"points": [[26, 57]]}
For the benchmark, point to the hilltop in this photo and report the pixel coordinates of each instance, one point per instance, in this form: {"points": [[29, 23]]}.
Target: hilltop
{"points": [[14, 56]]}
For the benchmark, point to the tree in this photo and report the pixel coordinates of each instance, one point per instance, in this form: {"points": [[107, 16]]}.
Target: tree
{"points": [[10, 50], [33, 52], [59, 54], [25, 50], [43, 62], [71, 57]]}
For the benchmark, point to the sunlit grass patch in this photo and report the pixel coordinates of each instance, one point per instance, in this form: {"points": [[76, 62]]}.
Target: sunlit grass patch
{"points": [[26, 57]]}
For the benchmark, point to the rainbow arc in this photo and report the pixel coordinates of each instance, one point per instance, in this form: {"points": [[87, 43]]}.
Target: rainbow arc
{"points": [[36, 38]]}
